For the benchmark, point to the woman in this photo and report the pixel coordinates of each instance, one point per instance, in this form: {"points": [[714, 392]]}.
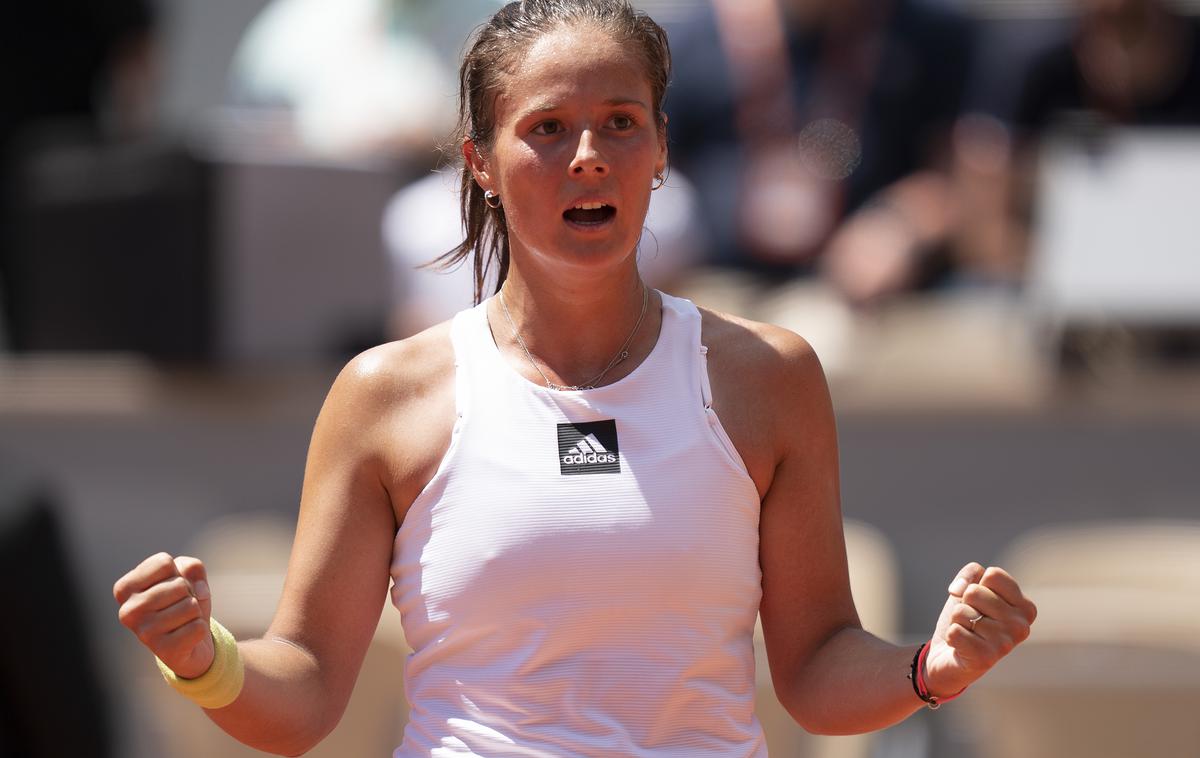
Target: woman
{"points": [[573, 506]]}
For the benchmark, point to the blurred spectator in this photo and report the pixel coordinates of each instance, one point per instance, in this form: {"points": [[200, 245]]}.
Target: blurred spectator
{"points": [[817, 133], [1127, 62], [72, 59], [360, 77], [87, 65]]}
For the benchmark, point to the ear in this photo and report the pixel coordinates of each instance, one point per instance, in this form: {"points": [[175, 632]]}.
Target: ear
{"points": [[660, 165], [477, 163]]}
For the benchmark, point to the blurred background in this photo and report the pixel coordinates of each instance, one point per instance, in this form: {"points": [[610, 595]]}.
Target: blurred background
{"points": [[984, 214]]}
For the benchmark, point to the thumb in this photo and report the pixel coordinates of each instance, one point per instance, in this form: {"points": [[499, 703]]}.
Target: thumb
{"points": [[970, 574], [192, 569]]}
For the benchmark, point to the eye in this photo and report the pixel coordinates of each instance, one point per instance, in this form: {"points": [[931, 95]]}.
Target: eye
{"points": [[546, 128], [622, 122]]}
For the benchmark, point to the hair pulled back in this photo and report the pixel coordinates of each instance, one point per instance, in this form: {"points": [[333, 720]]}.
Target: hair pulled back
{"points": [[496, 52]]}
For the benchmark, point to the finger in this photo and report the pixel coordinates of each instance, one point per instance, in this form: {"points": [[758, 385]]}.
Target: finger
{"points": [[987, 602], [181, 642], [163, 595], [969, 574], [966, 616], [967, 644], [999, 636], [156, 568], [1002, 583], [142, 606], [192, 569], [161, 624]]}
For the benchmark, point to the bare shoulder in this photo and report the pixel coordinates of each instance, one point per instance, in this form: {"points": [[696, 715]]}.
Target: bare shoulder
{"points": [[396, 372], [763, 356], [768, 390], [391, 412]]}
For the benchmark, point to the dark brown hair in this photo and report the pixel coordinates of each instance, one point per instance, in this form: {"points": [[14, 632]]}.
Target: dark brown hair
{"points": [[495, 52]]}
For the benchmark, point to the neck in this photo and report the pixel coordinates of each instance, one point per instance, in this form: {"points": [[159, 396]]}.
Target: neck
{"points": [[574, 326]]}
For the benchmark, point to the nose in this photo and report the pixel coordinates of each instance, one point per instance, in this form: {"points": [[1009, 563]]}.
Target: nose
{"points": [[588, 159]]}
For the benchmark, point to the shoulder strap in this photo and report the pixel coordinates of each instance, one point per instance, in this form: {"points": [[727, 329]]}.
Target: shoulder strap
{"points": [[466, 331], [692, 321]]}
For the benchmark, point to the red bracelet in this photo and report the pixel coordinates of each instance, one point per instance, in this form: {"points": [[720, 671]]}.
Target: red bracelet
{"points": [[918, 679]]}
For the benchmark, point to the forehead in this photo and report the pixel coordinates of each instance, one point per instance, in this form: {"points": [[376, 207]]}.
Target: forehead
{"points": [[573, 64]]}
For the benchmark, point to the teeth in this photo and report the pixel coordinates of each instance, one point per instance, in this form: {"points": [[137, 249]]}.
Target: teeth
{"points": [[589, 206]]}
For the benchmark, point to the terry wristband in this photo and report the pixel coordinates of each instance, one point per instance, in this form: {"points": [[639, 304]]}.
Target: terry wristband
{"points": [[222, 683]]}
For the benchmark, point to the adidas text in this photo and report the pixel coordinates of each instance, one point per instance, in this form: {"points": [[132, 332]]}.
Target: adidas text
{"points": [[579, 458]]}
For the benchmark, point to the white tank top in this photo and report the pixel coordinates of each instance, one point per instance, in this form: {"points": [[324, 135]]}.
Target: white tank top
{"points": [[580, 577]]}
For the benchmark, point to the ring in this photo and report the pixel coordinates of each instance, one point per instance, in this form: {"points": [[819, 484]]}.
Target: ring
{"points": [[975, 621]]}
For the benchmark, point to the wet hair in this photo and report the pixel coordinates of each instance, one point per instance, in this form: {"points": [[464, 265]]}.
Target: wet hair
{"points": [[495, 52]]}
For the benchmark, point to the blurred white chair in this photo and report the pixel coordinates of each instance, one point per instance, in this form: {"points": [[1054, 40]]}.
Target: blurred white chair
{"points": [[246, 558], [1112, 668], [875, 583]]}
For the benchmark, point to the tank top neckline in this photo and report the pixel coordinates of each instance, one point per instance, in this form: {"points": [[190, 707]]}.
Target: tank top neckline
{"points": [[493, 351]]}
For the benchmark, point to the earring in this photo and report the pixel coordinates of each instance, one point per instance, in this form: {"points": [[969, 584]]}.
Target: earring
{"points": [[488, 197], [660, 180]]}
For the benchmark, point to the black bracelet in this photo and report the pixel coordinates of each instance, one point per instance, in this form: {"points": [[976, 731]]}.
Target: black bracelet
{"points": [[928, 699]]}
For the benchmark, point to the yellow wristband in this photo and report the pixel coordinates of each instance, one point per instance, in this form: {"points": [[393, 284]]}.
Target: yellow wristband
{"points": [[222, 683]]}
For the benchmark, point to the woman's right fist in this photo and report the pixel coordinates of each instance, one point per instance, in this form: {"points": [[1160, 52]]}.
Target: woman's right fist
{"points": [[166, 602]]}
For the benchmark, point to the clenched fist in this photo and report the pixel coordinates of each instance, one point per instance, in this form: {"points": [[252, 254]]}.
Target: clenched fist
{"points": [[166, 602], [984, 618]]}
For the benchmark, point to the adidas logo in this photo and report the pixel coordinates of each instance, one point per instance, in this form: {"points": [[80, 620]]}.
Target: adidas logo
{"points": [[588, 448]]}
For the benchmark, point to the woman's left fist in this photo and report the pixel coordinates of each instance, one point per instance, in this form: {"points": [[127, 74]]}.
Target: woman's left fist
{"points": [[985, 617]]}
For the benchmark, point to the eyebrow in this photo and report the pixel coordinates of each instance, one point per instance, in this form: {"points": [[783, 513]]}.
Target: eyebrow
{"points": [[612, 101]]}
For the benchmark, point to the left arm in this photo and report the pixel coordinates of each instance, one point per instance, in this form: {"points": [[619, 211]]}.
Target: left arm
{"points": [[831, 675]]}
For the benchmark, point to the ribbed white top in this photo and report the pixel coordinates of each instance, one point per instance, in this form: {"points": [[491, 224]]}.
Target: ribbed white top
{"points": [[571, 594]]}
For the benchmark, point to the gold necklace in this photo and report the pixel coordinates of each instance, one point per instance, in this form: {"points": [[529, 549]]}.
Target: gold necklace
{"points": [[590, 384]]}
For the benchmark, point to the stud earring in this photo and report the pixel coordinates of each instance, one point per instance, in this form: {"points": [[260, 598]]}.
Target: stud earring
{"points": [[488, 197]]}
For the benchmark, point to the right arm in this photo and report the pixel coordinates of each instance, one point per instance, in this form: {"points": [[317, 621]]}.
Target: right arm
{"points": [[299, 676]]}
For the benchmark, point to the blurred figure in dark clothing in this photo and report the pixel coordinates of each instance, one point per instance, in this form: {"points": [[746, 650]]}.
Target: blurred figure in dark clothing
{"points": [[1128, 62], [817, 132], [51, 701], [74, 58], [88, 64]]}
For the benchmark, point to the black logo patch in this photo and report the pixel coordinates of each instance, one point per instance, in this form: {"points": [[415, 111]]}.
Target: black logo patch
{"points": [[589, 448]]}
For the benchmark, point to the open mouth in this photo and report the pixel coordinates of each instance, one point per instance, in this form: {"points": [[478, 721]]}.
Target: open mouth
{"points": [[590, 214]]}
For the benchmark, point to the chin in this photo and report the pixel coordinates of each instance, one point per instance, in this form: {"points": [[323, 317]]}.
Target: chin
{"points": [[602, 256]]}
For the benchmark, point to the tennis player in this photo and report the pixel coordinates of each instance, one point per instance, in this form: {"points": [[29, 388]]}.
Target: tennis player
{"points": [[583, 490]]}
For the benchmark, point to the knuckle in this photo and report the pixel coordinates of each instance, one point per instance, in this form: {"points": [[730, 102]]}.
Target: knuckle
{"points": [[973, 593], [162, 559], [190, 609], [188, 562], [145, 635], [173, 588]]}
